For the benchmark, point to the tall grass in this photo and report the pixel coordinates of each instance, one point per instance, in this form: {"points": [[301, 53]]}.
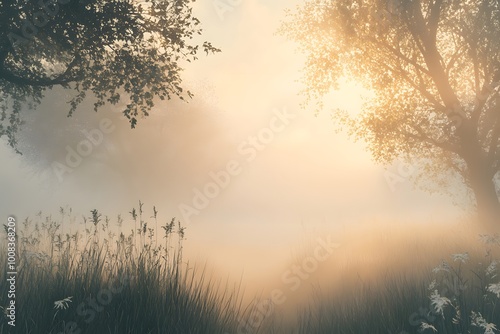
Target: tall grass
{"points": [[101, 280], [458, 294]]}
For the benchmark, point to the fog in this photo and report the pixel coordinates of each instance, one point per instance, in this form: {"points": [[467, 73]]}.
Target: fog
{"points": [[305, 180]]}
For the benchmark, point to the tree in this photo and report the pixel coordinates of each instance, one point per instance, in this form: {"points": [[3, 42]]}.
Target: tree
{"points": [[434, 69], [117, 50]]}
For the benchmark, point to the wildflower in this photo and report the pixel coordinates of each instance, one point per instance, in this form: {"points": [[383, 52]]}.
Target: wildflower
{"points": [[439, 302], [492, 268], [424, 326], [62, 304], [495, 288], [457, 318], [433, 285], [479, 321], [442, 267], [460, 257]]}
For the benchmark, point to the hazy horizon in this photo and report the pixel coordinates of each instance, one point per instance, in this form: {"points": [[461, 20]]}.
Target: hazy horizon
{"points": [[305, 178]]}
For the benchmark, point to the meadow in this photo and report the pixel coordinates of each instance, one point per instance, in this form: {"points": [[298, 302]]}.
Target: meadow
{"points": [[94, 275]]}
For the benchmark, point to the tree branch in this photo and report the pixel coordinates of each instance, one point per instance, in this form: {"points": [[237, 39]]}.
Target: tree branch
{"points": [[427, 95], [494, 144], [432, 25], [400, 55], [433, 59], [423, 137], [61, 79]]}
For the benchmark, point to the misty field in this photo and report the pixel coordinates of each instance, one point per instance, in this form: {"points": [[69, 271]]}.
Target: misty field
{"points": [[332, 166], [95, 281], [105, 278]]}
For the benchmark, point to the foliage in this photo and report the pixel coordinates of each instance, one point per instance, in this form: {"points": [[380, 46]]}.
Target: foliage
{"points": [[434, 69], [129, 51]]}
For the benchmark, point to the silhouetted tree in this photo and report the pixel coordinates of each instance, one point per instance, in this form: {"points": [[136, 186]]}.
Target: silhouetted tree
{"points": [[434, 68], [118, 50]]}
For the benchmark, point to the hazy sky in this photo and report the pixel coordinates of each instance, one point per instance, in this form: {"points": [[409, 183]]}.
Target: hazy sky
{"points": [[304, 175]]}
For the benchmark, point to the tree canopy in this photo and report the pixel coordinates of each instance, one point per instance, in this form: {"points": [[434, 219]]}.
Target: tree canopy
{"points": [[434, 68], [127, 50]]}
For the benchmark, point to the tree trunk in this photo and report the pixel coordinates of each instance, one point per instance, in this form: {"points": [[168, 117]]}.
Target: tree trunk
{"points": [[488, 206], [482, 183], [481, 178]]}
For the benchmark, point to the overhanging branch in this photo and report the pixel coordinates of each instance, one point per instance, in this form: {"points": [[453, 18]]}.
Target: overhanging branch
{"points": [[62, 79]]}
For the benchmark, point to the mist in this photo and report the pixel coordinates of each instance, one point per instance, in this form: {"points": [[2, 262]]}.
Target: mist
{"points": [[255, 178]]}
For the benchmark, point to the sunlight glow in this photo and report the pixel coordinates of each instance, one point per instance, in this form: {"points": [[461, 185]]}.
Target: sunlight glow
{"points": [[349, 97]]}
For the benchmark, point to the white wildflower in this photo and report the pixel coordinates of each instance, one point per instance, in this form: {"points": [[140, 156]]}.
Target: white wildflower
{"points": [[433, 285], [492, 268], [424, 326], [460, 257], [495, 288], [442, 267], [457, 318], [62, 304], [479, 321], [439, 302]]}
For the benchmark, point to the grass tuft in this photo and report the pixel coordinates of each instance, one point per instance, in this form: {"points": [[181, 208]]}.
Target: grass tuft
{"points": [[97, 279]]}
